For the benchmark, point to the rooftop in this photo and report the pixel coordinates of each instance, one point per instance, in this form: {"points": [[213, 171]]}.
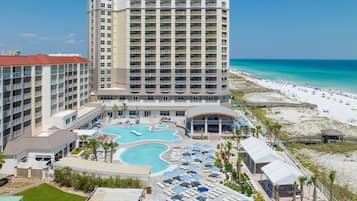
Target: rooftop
{"points": [[281, 173], [209, 110], [39, 143], [39, 59], [112, 194], [259, 151], [331, 132]]}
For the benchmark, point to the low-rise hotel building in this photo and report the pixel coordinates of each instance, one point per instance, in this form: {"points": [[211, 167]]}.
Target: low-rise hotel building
{"points": [[38, 92]]}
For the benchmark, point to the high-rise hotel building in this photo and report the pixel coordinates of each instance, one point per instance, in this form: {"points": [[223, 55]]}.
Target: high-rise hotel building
{"points": [[167, 50]]}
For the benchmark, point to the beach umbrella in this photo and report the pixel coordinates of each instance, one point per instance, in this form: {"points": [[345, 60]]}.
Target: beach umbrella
{"points": [[195, 184], [177, 197], [178, 189], [187, 158], [201, 198], [215, 169], [197, 144], [168, 181], [187, 148], [197, 160], [213, 175], [199, 154], [185, 163], [185, 184], [168, 174], [210, 160], [208, 165], [202, 189], [192, 166], [191, 172], [186, 154], [185, 178], [212, 151], [196, 177], [178, 171]]}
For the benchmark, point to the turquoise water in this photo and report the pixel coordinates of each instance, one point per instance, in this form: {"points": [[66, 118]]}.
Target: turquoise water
{"points": [[126, 136], [146, 154], [327, 74]]}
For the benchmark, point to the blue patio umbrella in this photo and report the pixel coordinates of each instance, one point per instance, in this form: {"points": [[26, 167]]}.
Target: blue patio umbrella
{"points": [[187, 158], [187, 148], [192, 166], [199, 154], [178, 189], [197, 144], [210, 160], [196, 177], [195, 184], [201, 198], [202, 189], [206, 146], [185, 178], [215, 169], [212, 151], [168, 174], [178, 171], [177, 197]]}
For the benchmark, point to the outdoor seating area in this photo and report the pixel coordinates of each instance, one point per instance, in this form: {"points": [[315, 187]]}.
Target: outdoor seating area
{"points": [[196, 177]]}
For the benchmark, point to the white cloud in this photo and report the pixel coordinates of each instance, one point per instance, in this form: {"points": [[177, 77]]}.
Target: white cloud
{"points": [[28, 35], [71, 39]]}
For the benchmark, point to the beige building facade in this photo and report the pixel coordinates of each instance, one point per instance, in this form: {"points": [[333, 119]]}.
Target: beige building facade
{"points": [[159, 50]]}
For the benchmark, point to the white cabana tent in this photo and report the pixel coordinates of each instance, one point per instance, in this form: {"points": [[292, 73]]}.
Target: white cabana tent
{"points": [[281, 174], [257, 154]]}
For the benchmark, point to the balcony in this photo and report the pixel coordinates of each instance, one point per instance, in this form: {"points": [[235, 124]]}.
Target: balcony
{"points": [[181, 51], [180, 35], [38, 114], [27, 73], [135, 43], [136, 36], [196, 52], [16, 74], [196, 36], [195, 20], [211, 28], [16, 98], [211, 90], [196, 66], [37, 93], [165, 20], [150, 51], [150, 13], [165, 90], [27, 118], [211, 35], [165, 44], [150, 28], [211, 44], [211, 5], [38, 104], [150, 20], [211, 82], [16, 109], [17, 86], [150, 58], [150, 43], [180, 43], [165, 81], [150, 5], [165, 74], [16, 121], [135, 20], [136, 13], [180, 28], [195, 90], [195, 12], [150, 90], [196, 43], [180, 5], [180, 58], [136, 28], [165, 58], [196, 28], [165, 13], [165, 36], [165, 51], [135, 5], [165, 5], [135, 66], [6, 112], [135, 59], [27, 106], [136, 82], [135, 51], [211, 59], [178, 12], [211, 12], [165, 28], [181, 20]]}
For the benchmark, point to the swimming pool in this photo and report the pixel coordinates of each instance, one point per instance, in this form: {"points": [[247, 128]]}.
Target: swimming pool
{"points": [[146, 154], [140, 132]]}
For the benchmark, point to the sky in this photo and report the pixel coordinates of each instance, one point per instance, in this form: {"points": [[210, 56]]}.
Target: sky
{"points": [[310, 29]]}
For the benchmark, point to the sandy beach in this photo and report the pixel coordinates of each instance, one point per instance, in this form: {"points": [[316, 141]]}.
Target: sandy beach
{"points": [[337, 105]]}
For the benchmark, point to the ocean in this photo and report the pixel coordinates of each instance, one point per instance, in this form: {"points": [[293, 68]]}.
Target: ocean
{"points": [[325, 74]]}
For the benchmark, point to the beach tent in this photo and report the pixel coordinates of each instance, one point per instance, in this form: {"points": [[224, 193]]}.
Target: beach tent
{"points": [[281, 174], [257, 154]]}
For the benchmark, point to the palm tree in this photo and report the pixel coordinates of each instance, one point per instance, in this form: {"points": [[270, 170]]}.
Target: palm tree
{"points": [[113, 147], [239, 165], [302, 180], [238, 133], [124, 107], [313, 181], [332, 177], [2, 159], [252, 130], [94, 144], [229, 148], [106, 147], [294, 191], [84, 141], [115, 111], [258, 129]]}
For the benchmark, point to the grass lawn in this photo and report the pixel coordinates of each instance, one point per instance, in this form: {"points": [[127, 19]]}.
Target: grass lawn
{"points": [[45, 192]]}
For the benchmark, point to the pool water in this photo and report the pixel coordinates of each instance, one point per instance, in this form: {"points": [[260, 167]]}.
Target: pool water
{"points": [[126, 136], [146, 154]]}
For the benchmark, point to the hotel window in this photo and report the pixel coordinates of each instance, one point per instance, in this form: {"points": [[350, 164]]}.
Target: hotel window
{"points": [[109, 35], [102, 86], [102, 42], [102, 57], [109, 64], [109, 42], [102, 12], [109, 57], [164, 113], [109, 28], [109, 13], [102, 35], [180, 113], [109, 6], [102, 27], [102, 64], [102, 5], [109, 71], [132, 113], [109, 20], [102, 49], [102, 20], [109, 49]]}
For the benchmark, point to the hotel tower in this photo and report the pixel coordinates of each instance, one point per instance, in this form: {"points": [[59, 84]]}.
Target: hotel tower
{"points": [[159, 50]]}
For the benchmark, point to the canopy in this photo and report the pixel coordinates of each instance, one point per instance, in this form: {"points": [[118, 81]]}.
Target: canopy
{"points": [[281, 173], [259, 151]]}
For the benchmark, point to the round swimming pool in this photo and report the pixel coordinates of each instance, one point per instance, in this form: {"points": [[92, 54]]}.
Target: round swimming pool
{"points": [[140, 132], [146, 154]]}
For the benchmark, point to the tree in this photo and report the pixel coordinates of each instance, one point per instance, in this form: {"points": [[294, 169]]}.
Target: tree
{"points": [[294, 191], [313, 181], [252, 131], [2, 159], [124, 107], [258, 196], [94, 144], [115, 111], [84, 141], [302, 181], [258, 130], [239, 165], [106, 147], [332, 177], [113, 147], [229, 148]]}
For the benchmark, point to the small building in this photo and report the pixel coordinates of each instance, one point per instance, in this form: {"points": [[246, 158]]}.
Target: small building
{"points": [[102, 169], [257, 154], [48, 147], [210, 118], [112, 194], [331, 135], [279, 173], [11, 198]]}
